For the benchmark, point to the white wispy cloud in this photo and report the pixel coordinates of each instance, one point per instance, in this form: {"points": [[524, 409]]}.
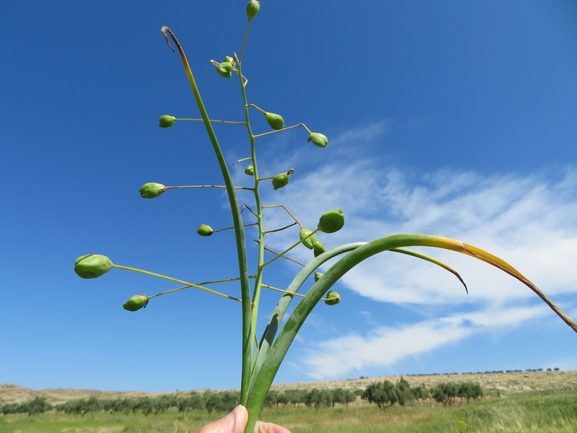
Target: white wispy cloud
{"points": [[526, 219], [384, 346]]}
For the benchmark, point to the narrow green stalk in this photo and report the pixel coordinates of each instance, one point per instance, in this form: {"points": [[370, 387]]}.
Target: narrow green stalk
{"points": [[284, 129], [175, 280], [206, 186], [236, 216], [194, 119], [288, 249], [188, 286], [247, 366]]}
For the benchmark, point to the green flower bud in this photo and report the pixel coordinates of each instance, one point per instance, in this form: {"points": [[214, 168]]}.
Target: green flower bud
{"points": [[332, 221], [318, 276], [280, 180], [224, 69], [92, 265], [249, 170], [252, 9], [318, 249], [275, 121], [333, 298], [136, 303], [229, 60], [204, 230], [310, 241], [318, 139], [166, 121], [151, 190]]}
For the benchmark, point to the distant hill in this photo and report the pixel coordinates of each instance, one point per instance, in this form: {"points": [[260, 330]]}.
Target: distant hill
{"points": [[496, 382]]}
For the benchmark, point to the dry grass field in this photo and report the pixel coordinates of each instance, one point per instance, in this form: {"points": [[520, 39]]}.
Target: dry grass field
{"points": [[492, 384]]}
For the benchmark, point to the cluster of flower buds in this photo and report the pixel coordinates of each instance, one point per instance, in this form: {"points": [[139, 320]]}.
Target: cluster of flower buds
{"points": [[224, 68]]}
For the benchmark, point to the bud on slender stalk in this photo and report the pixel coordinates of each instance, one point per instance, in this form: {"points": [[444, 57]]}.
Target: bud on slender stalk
{"points": [[309, 241], [333, 298], [319, 249], [249, 170], [252, 9], [318, 139], [332, 221], [92, 265], [224, 69], [204, 230], [166, 121], [275, 121], [280, 180], [135, 303], [151, 190]]}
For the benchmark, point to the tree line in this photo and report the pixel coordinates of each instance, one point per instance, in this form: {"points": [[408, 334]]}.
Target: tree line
{"points": [[383, 394], [386, 394]]}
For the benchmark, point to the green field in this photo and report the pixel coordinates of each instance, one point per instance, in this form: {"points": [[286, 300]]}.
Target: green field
{"points": [[544, 411]]}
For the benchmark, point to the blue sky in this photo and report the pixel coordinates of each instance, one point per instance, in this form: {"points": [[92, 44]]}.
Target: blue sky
{"points": [[450, 118]]}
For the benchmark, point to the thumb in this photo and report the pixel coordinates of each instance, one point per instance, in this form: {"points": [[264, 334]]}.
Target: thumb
{"points": [[234, 422]]}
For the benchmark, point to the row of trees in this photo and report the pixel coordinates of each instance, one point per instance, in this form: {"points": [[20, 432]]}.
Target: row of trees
{"points": [[211, 401], [529, 370], [383, 394]]}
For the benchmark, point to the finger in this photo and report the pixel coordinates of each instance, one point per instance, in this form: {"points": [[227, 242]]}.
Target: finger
{"points": [[267, 427], [234, 422]]}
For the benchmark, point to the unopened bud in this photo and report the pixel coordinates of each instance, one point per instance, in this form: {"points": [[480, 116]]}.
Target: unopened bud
{"points": [[224, 69], [309, 241], [333, 298], [151, 190], [252, 9], [318, 249], [332, 221], [318, 139], [229, 60], [281, 180], [204, 230], [249, 170], [318, 276], [92, 265], [136, 302], [166, 121], [275, 121]]}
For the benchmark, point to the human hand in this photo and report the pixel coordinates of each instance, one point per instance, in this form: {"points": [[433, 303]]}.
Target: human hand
{"points": [[235, 422]]}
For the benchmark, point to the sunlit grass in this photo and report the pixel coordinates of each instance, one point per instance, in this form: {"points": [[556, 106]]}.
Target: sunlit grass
{"points": [[547, 412]]}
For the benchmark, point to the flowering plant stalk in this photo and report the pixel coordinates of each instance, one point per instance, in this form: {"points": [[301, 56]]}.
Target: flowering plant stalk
{"points": [[261, 358]]}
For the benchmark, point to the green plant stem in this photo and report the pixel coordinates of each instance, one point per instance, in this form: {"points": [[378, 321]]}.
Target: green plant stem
{"points": [[276, 289], [194, 119], [270, 206], [188, 286], [250, 316], [288, 249], [206, 186], [175, 280], [236, 216], [284, 129]]}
